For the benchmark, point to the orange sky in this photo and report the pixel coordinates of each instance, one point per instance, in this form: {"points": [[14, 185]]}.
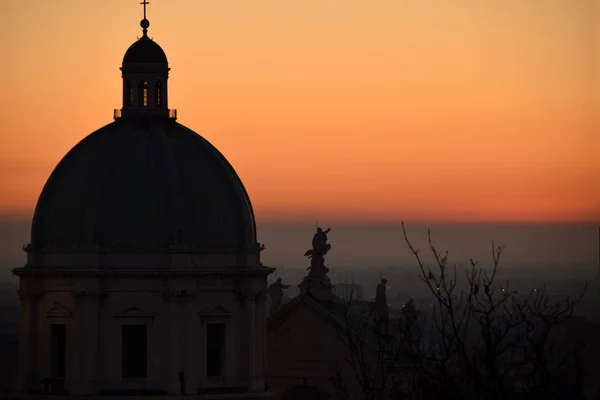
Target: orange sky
{"points": [[328, 109]]}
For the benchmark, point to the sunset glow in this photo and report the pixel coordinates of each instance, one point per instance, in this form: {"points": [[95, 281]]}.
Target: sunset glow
{"points": [[337, 109]]}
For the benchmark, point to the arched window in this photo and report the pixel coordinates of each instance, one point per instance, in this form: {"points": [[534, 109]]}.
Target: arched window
{"points": [[158, 93], [143, 94], [128, 94]]}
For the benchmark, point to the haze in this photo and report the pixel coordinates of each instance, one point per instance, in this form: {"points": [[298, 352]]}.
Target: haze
{"points": [[539, 247]]}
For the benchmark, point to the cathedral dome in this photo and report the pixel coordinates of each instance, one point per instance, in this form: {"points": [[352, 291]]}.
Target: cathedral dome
{"points": [[144, 183]]}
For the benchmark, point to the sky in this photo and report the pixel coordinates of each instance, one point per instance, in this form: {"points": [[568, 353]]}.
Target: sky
{"points": [[331, 109]]}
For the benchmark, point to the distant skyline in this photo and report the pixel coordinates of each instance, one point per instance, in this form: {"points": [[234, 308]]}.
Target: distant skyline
{"points": [[335, 110]]}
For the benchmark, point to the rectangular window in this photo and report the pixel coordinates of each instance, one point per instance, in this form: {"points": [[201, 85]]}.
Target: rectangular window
{"points": [[143, 94], [215, 350], [58, 350], [134, 351]]}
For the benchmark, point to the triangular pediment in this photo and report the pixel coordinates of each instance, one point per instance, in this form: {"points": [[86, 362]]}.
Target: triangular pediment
{"points": [[134, 312], [218, 310], [58, 310]]}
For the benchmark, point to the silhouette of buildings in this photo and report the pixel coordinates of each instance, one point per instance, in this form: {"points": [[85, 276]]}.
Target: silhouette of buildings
{"points": [[304, 347], [309, 353], [144, 277], [143, 274]]}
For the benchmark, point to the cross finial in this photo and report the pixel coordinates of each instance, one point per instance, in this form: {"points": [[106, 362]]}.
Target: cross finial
{"points": [[144, 3], [145, 23]]}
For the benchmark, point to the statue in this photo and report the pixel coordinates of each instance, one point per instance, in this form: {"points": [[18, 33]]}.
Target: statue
{"points": [[381, 307], [276, 294], [317, 283], [409, 314], [317, 267], [320, 247]]}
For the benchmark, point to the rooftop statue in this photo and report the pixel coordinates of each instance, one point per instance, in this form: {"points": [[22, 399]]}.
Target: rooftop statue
{"points": [[276, 293], [320, 247], [317, 283], [409, 313], [381, 307]]}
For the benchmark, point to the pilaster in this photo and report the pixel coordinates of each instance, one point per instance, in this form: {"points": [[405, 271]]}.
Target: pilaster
{"points": [[261, 335], [91, 307], [250, 300], [84, 371], [29, 374], [173, 300], [192, 342]]}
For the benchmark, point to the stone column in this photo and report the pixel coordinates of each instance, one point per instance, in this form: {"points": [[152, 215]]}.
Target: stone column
{"points": [[135, 85], [192, 346], [91, 343], [77, 370], [260, 340], [250, 305], [173, 363], [165, 354], [25, 350], [28, 340]]}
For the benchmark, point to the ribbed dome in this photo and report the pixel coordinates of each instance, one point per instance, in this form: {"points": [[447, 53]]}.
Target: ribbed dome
{"points": [[144, 182], [145, 50]]}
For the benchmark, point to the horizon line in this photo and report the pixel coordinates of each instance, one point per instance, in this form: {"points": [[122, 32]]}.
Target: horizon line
{"points": [[391, 221]]}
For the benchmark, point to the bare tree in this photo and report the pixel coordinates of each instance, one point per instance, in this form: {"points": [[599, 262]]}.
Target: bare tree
{"points": [[382, 364], [366, 361], [493, 343], [479, 340]]}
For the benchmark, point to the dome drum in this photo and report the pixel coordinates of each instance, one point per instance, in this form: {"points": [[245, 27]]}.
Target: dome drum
{"points": [[140, 259]]}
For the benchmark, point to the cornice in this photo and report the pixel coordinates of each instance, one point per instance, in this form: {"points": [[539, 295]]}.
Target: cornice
{"points": [[33, 294], [178, 295], [31, 249], [124, 273]]}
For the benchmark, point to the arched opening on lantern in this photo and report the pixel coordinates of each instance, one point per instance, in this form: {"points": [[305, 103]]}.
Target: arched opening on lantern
{"points": [[143, 94]]}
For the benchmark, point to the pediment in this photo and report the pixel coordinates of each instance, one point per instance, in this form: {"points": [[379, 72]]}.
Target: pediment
{"points": [[134, 312], [217, 311], [58, 310]]}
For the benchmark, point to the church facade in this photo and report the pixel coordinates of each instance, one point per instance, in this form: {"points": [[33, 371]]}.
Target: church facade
{"points": [[143, 273]]}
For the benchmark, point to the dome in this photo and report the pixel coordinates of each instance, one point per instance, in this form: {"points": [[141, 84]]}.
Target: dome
{"points": [[145, 50], [144, 183]]}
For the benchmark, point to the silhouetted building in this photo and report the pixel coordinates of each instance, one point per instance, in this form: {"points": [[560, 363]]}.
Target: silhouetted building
{"points": [[143, 274], [314, 339], [308, 346]]}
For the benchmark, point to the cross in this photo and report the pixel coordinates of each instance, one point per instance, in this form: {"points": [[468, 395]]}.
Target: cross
{"points": [[144, 3]]}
